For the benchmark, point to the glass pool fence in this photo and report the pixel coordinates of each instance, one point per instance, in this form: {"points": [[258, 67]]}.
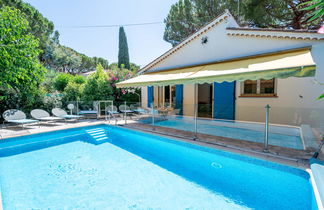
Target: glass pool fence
{"points": [[260, 125]]}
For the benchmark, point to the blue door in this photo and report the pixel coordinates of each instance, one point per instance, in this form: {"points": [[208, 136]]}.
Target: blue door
{"points": [[150, 96], [224, 100], [179, 98]]}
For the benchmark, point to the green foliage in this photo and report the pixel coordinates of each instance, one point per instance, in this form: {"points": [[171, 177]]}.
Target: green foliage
{"points": [[279, 14], [61, 81], [123, 56], [316, 7], [19, 65], [73, 91], [65, 59], [133, 67], [20, 70], [78, 79], [48, 83], [321, 96], [39, 26], [187, 16], [97, 86]]}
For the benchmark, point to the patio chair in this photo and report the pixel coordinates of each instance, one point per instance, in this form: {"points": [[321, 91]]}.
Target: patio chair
{"points": [[125, 110], [16, 116], [112, 112], [137, 109], [43, 115], [58, 112]]}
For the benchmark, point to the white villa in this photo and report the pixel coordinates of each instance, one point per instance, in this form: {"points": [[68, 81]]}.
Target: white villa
{"points": [[236, 71]]}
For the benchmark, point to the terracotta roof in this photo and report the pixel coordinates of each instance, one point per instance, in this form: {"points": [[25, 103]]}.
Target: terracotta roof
{"points": [[273, 29], [190, 38], [275, 33]]}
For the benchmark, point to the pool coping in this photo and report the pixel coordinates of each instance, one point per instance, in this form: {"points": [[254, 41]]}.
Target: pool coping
{"points": [[315, 190], [292, 162]]}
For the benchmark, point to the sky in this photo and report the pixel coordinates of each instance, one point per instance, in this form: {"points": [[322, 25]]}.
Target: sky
{"points": [[145, 42]]}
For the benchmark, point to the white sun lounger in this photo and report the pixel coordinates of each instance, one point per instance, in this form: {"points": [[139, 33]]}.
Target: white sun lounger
{"points": [[43, 115], [58, 112], [18, 117]]}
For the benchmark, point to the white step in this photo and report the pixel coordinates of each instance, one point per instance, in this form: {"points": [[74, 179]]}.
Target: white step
{"points": [[95, 131], [101, 138], [98, 133]]}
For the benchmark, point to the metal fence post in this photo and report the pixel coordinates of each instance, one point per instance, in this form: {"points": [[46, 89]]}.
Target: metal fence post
{"points": [[196, 126], [125, 114], [153, 120], [77, 107], [195, 112], [99, 109], [266, 131], [106, 111]]}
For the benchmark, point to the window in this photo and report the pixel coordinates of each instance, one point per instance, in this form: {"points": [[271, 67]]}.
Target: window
{"points": [[173, 95], [259, 88], [166, 96], [267, 86], [250, 87]]}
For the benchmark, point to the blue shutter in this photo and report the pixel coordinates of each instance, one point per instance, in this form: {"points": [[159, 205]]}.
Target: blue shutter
{"points": [[179, 98], [224, 100], [150, 96]]}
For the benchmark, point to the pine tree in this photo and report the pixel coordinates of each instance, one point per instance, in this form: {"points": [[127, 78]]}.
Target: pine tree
{"points": [[123, 56], [187, 16]]}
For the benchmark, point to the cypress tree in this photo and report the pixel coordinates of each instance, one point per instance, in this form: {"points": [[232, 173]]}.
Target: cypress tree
{"points": [[123, 56]]}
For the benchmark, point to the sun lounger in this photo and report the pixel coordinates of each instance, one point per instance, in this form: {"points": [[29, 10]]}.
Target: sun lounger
{"points": [[43, 115], [58, 112], [89, 113], [17, 117]]}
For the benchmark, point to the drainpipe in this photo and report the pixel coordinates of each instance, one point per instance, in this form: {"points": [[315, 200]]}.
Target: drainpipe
{"points": [[125, 114]]}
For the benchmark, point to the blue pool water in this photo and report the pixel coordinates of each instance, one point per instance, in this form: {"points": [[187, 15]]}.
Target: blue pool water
{"points": [[133, 170], [278, 135]]}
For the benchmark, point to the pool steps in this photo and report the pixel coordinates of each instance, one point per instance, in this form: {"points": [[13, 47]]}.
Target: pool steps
{"points": [[98, 135]]}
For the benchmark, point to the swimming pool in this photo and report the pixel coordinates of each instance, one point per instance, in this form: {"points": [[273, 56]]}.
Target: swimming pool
{"points": [[283, 136], [108, 167]]}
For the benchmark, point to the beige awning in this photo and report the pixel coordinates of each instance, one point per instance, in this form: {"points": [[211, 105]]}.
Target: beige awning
{"points": [[281, 65]]}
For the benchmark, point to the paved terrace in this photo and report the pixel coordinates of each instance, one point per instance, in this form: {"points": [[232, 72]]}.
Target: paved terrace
{"points": [[297, 158]]}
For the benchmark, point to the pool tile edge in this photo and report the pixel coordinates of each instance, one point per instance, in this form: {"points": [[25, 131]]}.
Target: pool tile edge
{"points": [[315, 190]]}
